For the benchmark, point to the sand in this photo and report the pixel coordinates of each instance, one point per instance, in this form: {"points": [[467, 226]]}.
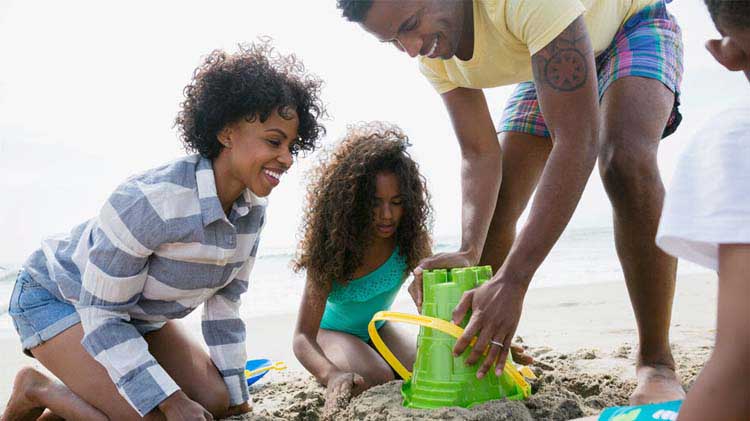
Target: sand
{"points": [[569, 385], [582, 337]]}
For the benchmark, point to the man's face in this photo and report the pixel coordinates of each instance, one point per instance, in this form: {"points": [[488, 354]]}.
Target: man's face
{"points": [[429, 28]]}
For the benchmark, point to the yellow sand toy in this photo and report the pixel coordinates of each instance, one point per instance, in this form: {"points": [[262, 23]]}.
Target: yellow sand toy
{"points": [[439, 378], [256, 369]]}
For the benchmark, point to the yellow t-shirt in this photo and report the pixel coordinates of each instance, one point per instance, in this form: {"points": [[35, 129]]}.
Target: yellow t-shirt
{"points": [[508, 32]]}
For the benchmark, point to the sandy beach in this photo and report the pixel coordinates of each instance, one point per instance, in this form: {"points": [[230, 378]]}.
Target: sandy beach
{"points": [[583, 338]]}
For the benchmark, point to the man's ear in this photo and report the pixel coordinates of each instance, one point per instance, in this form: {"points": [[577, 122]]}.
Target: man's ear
{"points": [[728, 53]]}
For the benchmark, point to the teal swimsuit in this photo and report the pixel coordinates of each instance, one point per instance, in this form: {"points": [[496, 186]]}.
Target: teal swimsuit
{"points": [[350, 307]]}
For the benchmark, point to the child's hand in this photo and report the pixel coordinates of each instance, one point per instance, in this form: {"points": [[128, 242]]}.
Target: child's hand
{"points": [[438, 261], [519, 355], [341, 388]]}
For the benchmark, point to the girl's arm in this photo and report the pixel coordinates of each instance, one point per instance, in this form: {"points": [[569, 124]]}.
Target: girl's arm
{"points": [[305, 344], [721, 391]]}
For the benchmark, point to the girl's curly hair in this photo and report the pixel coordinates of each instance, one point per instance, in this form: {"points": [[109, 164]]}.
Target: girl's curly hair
{"points": [[252, 83], [338, 221]]}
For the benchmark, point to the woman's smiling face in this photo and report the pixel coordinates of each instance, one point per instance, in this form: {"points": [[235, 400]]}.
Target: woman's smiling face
{"points": [[257, 153]]}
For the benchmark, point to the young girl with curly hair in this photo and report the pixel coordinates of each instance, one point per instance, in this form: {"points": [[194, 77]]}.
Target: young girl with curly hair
{"points": [[96, 306], [366, 227]]}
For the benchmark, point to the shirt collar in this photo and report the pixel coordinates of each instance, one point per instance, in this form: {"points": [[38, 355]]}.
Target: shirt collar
{"points": [[211, 209]]}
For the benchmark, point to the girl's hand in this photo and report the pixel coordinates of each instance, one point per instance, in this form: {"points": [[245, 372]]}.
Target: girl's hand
{"points": [[178, 407], [438, 261], [342, 386]]}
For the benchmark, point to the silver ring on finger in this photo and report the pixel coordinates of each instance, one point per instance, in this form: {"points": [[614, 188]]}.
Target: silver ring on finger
{"points": [[499, 344]]}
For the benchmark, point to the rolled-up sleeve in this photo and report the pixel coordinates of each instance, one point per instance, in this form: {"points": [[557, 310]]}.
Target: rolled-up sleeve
{"points": [[113, 280], [224, 332]]}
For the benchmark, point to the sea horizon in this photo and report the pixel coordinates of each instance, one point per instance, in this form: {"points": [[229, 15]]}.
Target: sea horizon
{"points": [[581, 256]]}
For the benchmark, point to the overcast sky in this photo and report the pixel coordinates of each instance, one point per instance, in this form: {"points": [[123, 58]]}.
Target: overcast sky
{"points": [[89, 91]]}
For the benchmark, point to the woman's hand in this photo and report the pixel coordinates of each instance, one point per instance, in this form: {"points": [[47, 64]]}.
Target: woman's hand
{"points": [[457, 259], [242, 408], [178, 407]]}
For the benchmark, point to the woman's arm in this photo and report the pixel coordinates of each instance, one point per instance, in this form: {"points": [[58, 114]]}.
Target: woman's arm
{"points": [[305, 344], [224, 333], [722, 389], [112, 283]]}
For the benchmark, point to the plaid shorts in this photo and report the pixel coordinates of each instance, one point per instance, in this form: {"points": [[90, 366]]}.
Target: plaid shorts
{"points": [[648, 45]]}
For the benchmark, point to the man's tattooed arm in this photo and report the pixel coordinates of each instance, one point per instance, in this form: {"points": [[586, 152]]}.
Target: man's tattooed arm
{"points": [[565, 63]]}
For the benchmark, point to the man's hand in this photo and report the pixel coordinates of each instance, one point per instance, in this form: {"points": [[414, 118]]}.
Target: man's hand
{"points": [[438, 261], [496, 308]]}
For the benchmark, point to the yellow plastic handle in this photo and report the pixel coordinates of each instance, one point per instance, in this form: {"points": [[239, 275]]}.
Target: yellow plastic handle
{"points": [[433, 323], [278, 365]]}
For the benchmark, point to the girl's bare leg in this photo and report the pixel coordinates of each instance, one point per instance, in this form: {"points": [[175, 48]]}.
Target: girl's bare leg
{"points": [[351, 354], [401, 343]]}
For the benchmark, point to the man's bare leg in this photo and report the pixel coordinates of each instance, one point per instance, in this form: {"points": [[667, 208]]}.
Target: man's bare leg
{"points": [[634, 113], [524, 157]]}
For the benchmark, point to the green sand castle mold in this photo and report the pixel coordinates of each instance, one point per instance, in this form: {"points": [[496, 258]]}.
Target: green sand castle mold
{"points": [[439, 378]]}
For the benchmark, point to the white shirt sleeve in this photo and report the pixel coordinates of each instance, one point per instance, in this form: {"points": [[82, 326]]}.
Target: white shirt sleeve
{"points": [[708, 202]]}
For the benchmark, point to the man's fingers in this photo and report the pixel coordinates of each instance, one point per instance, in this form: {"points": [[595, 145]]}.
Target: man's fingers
{"points": [[489, 360], [471, 329], [463, 306], [503, 355], [486, 333]]}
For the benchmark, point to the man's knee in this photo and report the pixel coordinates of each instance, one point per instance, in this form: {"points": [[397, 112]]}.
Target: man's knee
{"points": [[628, 169]]}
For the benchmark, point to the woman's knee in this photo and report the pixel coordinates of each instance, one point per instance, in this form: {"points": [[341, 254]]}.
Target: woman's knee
{"points": [[215, 400]]}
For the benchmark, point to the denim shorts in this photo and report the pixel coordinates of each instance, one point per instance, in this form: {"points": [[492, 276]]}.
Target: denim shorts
{"points": [[38, 315]]}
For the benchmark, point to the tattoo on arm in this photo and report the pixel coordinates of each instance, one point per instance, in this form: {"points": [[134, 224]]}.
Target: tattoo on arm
{"points": [[562, 64]]}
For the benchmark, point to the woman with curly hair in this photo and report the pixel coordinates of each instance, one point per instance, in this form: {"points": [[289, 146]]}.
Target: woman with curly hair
{"points": [[96, 306], [366, 227]]}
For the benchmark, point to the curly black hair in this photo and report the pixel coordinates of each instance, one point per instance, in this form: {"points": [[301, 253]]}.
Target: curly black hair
{"points": [[338, 221], [735, 13], [354, 10], [252, 83]]}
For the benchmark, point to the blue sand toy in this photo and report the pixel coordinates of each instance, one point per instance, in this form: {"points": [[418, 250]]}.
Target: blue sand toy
{"points": [[664, 411], [256, 369]]}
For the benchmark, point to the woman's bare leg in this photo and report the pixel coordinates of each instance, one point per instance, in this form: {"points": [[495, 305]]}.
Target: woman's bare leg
{"points": [[33, 391], [87, 391]]}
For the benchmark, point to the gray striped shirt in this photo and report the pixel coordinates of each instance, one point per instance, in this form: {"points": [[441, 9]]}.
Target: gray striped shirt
{"points": [[161, 246]]}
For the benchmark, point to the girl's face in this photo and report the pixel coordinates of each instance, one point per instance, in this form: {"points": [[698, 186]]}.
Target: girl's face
{"points": [[258, 153], [388, 205]]}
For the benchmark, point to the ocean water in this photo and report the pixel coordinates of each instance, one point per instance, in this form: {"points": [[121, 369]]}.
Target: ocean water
{"points": [[582, 256]]}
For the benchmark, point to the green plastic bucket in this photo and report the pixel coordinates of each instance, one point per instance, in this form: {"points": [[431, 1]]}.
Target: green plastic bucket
{"points": [[440, 379]]}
